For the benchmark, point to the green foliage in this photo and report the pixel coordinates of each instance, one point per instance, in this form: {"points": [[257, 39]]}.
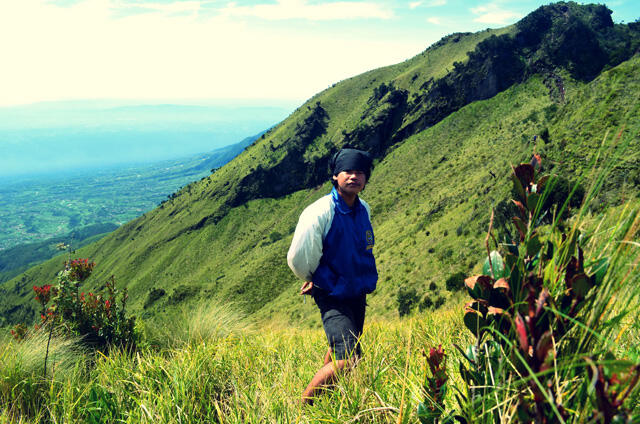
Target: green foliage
{"points": [[536, 312], [455, 281], [406, 299], [98, 319], [102, 406]]}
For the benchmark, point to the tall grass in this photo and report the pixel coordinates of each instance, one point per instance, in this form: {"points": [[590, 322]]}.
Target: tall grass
{"points": [[239, 375], [555, 326], [22, 379], [194, 323]]}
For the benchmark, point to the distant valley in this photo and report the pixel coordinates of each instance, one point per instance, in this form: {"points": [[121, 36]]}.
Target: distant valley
{"points": [[72, 171], [36, 213]]}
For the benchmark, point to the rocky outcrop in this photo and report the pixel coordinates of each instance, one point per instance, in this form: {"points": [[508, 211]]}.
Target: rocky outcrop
{"points": [[383, 116], [291, 172]]}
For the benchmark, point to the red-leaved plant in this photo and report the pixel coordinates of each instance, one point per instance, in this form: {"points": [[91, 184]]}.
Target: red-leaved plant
{"points": [[98, 318], [535, 358]]}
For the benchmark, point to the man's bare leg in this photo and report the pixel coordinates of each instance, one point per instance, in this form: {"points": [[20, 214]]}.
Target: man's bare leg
{"points": [[327, 357], [325, 376]]}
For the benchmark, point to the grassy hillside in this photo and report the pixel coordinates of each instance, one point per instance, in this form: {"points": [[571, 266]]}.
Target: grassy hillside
{"points": [[444, 127], [208, 363]]}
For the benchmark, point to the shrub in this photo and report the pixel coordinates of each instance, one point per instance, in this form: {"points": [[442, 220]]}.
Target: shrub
{"points": [[407, 300], [153, 297], [275, 236], [426, 303], [97, 318], [535, 313], [182, 293], [455, 281]]}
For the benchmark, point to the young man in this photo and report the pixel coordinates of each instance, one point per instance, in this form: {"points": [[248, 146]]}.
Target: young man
{"points": [[332, 251]]}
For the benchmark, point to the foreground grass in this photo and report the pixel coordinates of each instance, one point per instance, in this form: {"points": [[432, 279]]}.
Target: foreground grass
{"points": [[244, 375], [240, 375]]}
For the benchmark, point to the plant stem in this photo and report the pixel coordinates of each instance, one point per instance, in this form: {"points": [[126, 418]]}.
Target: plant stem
{"points": [[486, 243], [46, 356]]}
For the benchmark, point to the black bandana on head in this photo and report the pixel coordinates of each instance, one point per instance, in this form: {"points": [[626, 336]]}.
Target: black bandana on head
{"points": [[351, 160]]}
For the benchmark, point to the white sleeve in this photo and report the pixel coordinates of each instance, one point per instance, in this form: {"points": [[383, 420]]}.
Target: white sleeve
{"points": [[367, 207], [306, 247]]}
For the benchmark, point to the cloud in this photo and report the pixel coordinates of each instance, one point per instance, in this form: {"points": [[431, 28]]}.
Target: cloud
{"points": [[431, 3], [492, 13], [301, 9], [182, 8], [96, 49], [434, 20]]}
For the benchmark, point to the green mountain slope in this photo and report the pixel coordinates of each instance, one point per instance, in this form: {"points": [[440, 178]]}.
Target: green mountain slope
{"points": [[444, 126], [17, 259]]}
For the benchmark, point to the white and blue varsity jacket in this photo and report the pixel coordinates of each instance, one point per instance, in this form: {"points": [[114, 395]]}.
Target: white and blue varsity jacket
{"points": [[333, 247]]}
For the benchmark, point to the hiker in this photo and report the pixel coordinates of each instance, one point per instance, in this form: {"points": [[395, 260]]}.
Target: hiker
{"points": [[332, 251]]}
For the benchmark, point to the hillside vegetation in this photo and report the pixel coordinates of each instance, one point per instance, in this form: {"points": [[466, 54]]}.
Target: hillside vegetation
{"points": [[208, 363], [443, 127]]}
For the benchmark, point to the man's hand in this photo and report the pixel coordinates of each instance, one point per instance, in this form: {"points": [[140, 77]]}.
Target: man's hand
{"points": [[306, 288]]}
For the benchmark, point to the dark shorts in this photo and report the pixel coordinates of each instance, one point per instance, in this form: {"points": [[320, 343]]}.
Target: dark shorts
{"points": [[342, 320]]}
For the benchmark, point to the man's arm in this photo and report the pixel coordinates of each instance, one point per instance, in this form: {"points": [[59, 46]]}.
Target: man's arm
{"points": [[306, 247]]}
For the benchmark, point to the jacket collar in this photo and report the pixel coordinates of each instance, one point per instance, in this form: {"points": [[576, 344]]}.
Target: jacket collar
{"points": [[341, 205]]}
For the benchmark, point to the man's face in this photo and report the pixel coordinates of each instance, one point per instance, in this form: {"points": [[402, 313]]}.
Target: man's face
{"points": [[350, 181]]}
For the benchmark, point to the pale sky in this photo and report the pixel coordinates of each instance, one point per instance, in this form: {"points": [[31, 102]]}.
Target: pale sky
{"points": [[196, 50]]}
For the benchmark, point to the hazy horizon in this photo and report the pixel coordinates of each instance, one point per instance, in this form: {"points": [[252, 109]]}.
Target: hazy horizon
{"points": [[62, 136]]}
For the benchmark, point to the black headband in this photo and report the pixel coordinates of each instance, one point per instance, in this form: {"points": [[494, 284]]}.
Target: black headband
{"points": [[351, 160]]}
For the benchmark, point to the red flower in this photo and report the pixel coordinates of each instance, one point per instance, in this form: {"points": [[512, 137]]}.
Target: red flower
{"points": [[43, 294]]}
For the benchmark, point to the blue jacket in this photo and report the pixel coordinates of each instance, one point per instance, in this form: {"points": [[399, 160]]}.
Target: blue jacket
{"points": [[333, 247]]}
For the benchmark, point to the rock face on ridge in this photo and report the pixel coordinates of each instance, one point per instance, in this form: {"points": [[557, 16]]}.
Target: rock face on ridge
{"points": [[289, 174], [579, 39]]}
